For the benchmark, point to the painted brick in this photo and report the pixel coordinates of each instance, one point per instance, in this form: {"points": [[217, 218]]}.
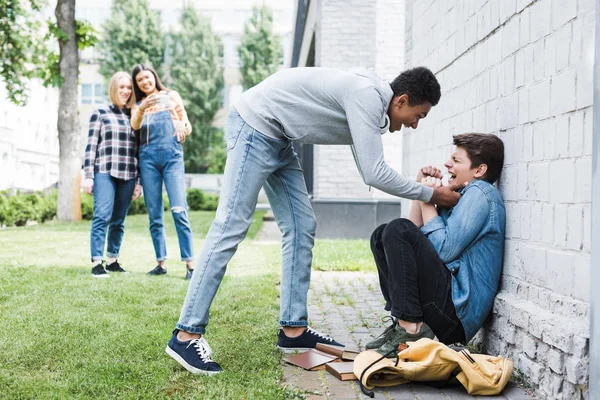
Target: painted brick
{"points": [[563, 41], [539, 94], [529, 345], [530, 368], [522, 182], [538, 185], [562, 136], [575, 228], [577, 370], [550, 55], [559, 272], [539, 61], [556, 360], [576, 134], [587, 228], [563, 92], [562, 172], [525, 221], [562, 12], [588, 124], [510, 37], [560, 225], [547, 223], [524, 28], [581, 277], [540, 21], [536, 221]]}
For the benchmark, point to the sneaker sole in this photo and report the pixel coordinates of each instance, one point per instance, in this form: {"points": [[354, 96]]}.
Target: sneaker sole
{"points": [[289, 350], [101, 276], [187, 366]]}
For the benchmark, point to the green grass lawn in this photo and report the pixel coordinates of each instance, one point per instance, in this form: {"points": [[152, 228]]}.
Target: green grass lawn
{"points": [[65, 334]]}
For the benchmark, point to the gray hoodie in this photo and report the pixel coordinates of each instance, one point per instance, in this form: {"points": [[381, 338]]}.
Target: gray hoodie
{"points": [[330, 106]]}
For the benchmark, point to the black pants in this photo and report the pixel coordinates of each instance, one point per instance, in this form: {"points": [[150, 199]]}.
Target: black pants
{"points": [[415, 283]]}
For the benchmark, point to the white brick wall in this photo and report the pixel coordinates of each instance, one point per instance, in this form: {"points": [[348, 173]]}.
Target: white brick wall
{"points": [[522, 69]]}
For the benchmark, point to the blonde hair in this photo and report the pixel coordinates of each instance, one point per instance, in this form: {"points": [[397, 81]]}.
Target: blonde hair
{"points": [[113, 89]]}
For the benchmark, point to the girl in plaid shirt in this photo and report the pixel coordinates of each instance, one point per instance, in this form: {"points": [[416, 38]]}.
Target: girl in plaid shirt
{"points": [[111, 173], [163, 125]]}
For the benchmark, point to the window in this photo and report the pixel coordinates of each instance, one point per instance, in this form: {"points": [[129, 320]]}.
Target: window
{"points": [[93, 93]]}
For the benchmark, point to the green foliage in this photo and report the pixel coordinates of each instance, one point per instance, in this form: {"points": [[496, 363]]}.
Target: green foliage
{"points": [[21, 46], [87, 207], [196, 72], [131, 35], [195, 199], [137, 206], [25, 48], [204, 150], [19, 208], [199, 201], [260, 50]]}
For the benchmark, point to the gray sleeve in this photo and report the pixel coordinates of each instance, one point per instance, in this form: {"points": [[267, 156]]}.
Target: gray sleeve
{"points": [[362, 108]]}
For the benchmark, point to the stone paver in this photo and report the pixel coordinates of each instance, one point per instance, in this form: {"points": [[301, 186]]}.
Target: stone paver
{"points": [[349, 307]]}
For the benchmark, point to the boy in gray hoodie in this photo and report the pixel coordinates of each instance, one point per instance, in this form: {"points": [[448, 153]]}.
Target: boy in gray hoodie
{"points": [[306, 105]]}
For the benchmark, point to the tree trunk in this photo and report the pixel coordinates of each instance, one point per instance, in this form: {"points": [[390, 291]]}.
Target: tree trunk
{"points": [[69, 208]]}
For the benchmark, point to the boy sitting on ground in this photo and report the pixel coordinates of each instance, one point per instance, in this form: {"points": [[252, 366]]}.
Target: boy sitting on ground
{"points": [[439, 270]]}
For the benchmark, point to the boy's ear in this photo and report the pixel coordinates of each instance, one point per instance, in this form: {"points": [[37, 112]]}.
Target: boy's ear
{"points": [[401, 100], [481, 170]]}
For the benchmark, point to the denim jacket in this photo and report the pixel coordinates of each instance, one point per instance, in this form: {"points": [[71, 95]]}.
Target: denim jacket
{"points": [[469, 239]]}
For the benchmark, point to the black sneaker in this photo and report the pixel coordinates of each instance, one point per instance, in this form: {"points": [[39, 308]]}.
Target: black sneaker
{"points": [[188, 274], [158, 270], [98, 271], [193, 355], [308, 340], [115, 267]]}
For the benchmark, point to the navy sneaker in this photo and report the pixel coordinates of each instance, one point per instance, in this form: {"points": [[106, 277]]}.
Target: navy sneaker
{"points": [[308, 340], [193, 355], [188, 274], [158, 270]]}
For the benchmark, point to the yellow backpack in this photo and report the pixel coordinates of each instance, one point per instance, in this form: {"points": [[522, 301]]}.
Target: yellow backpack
{"points": [[428, 361]]}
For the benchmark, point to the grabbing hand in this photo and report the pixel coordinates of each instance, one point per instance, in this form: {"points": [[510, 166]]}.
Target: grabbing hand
{"points": [[431, 182], [447, 196], [137, 192], [88, 186], [429, 170]]}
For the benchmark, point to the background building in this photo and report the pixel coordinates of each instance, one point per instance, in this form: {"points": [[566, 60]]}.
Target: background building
{"points": [[345, 34]]}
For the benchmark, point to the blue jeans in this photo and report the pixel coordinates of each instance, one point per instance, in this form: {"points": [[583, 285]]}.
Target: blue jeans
{"points": [[112, 198], [254, 160], [161, 160]]}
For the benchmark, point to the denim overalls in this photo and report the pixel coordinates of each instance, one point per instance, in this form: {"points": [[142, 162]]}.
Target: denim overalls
{"points": [[161, 159]]}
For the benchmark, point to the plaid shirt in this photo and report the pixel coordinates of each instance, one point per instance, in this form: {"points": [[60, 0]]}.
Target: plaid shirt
{"points": [[112, 147]]}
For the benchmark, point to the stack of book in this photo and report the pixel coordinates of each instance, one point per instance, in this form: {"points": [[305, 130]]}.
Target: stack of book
{"points": [[338, 361]]}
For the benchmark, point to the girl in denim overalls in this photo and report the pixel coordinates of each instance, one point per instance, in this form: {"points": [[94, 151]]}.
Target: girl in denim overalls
{"points": [[162, 124]]}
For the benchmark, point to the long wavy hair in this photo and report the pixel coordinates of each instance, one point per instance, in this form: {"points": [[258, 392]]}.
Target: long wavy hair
{"points": [[137, 92]]}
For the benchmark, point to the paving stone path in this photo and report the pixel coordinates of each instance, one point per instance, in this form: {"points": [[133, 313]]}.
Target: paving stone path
{"points": [[349, 307]]}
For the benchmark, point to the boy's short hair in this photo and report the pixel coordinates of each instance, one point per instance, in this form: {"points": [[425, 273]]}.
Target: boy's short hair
{"points": [[420, 84], [485, 149]]}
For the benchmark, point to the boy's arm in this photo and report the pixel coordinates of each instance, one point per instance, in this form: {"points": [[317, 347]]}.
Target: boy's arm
{"points": [[464, 224], [415, 214]]}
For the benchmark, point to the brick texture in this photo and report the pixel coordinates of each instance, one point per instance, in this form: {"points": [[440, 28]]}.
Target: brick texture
{"points": [[523, 71]]}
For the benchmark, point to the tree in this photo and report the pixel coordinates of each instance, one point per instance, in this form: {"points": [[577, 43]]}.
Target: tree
{"points": [[19, 46], [260, 50], [131, 35], [196, 72], [25, 55]]}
